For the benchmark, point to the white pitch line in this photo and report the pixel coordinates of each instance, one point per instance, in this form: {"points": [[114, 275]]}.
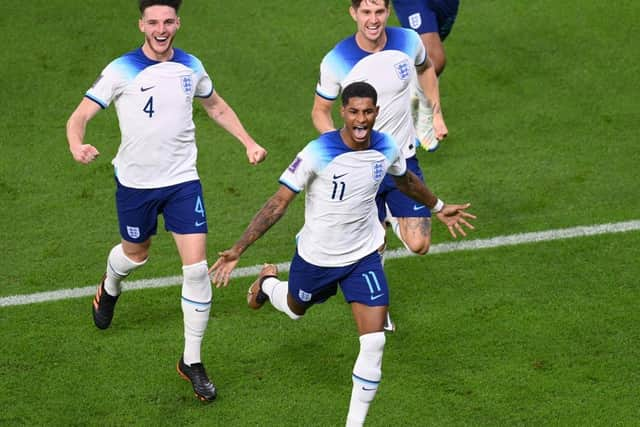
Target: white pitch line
{"points": [[510, 240]]}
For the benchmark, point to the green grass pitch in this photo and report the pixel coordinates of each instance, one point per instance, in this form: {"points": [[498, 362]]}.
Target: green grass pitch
{"points": [[541, 102]]}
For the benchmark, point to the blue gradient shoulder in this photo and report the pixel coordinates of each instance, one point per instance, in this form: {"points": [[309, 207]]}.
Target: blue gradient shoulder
{"points": [[131, 63], [344, 56], [325, 148], [403, 39], [385, 144], [188, 60]]}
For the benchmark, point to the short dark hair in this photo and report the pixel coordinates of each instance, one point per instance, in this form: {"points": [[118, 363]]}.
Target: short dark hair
{"points": [[356, 3], [171, 3], [359, 90]]}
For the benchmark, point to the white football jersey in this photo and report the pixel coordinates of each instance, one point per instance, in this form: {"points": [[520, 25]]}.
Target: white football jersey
{"points": [[341, 222], [389, 71], [154, 103]]}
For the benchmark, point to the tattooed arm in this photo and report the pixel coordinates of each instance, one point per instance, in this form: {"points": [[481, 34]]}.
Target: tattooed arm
{"points": [[270, 213]]}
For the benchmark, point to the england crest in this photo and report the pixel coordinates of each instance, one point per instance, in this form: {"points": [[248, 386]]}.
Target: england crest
{"points": [[415, 21], [304, 296], [133, 232], [187, 84], [403, 70], [378, 170]]}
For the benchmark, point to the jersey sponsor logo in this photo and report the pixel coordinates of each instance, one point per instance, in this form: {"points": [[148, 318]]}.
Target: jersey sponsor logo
{"points": [[144, 89], [378, 170], [294, 165], [304, 296], [415, 20], [339, 176], [418, 207], [187, 84], [403, 69], [133, 232]]}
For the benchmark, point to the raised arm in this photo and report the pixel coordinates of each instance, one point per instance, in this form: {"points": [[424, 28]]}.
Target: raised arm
{"points": [[270, 213], [453, 216], [321, 114], [224, 115], [76, 128]]}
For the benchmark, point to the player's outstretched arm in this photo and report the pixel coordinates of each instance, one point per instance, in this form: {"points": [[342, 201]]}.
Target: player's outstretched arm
{"points": [[453, 216], [76, 128], [270, 213], [223, 114]]}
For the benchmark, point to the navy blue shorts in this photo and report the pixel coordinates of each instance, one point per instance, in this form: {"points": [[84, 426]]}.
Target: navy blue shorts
{"points": [[363, 281], [181, 205], [400, 205], [427, 16]]}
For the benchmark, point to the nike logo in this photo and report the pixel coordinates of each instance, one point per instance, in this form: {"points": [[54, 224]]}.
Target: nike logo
{"points": [[201, 311], [199, 224], [418, 207], [369, 389], [339, 176], [375, 297], [144, 89]]}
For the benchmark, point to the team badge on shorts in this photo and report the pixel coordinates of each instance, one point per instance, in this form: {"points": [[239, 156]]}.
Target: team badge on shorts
{"points": [[187, 84], [304, 296], [133, 232], [403, 69], [415, 21]]}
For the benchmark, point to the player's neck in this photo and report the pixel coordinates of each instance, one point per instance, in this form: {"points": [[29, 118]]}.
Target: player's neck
{"points": [[155, 56], [353, 144], [369, 45]]}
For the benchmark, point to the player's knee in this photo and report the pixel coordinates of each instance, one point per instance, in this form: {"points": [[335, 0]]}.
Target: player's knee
{"points": [[419, 246], [196, 284], [295, 311], [368, 366], [373, 344], [138, 255]]}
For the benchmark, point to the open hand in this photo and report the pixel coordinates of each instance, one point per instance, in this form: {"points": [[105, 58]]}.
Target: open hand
{"points": [[454, 217]]}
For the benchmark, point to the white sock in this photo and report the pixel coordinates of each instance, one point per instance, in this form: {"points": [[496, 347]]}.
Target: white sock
{"points": [[277, 292], [367, 373], [118, 267], [196, 306]]}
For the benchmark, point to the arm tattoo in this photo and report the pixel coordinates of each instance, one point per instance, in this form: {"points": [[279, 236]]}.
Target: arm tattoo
{"points": [[270, 213]]}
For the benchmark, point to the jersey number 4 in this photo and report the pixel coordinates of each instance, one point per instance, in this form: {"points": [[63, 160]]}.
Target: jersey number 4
{"points": [[148, 108]]}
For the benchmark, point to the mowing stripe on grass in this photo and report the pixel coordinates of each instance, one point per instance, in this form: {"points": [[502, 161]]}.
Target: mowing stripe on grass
{"points": [[513, 239]]}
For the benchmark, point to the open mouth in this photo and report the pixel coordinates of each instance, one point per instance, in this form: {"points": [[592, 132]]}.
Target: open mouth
{"points": [[360, 132]]}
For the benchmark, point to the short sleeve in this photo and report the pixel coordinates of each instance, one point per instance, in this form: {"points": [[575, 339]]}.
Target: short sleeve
{"points": [[107, 86], [328, 86], [300, 171]]}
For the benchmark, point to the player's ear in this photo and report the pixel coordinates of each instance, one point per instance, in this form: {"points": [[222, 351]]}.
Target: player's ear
{"points": [[352, 12], [141, 24], [178, 23]]}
